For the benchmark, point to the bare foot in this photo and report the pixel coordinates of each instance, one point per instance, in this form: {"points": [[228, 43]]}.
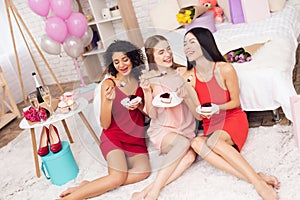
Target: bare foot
{"points": [[266, 191], [138, 195], [141, 195], [270, 180], [152, 195], [72, 189]]}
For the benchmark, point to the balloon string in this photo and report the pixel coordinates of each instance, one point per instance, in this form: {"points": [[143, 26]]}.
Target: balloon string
{"points": [[78, 72]]}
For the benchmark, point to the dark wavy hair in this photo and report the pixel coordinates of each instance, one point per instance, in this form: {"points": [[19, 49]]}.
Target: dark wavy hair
{"points": [[149, 49], [208, 46], [135, 55]]}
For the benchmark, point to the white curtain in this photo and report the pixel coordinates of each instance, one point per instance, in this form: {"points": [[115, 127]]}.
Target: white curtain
{"points": [[8, 60]]}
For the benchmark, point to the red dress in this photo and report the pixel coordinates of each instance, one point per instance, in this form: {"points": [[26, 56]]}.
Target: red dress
{"points": [[126, 131], [233, 121]]}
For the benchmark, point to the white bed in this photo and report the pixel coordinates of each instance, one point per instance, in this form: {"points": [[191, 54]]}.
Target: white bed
{"points": [[265, 82]]}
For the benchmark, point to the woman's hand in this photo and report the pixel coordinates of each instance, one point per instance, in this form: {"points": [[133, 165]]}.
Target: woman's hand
{"points": [[135, 106], [145, 84], [215, 110], [110, 93]]}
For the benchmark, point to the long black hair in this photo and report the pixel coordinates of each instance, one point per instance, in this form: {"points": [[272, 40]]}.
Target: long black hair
{"points": [[208, 46], [135, 55]]}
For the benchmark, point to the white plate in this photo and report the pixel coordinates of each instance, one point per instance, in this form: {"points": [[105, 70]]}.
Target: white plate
{"points": [[174, 101], [126, 101], [214, 110]]}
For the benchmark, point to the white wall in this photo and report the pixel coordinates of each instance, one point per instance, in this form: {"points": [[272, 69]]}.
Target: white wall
{"points": [[63, 66]]}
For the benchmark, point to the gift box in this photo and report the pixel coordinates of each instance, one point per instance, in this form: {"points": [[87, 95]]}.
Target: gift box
{"points": [[236, 11], [206, 20], [255, 10], [60, 167]]}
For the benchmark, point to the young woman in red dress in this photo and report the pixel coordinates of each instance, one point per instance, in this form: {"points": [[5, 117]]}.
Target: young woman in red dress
{"points": [[225, 130], [122, 141]]}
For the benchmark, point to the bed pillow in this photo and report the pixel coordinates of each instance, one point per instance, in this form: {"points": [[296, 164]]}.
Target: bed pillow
{"points": [[276, 5]]}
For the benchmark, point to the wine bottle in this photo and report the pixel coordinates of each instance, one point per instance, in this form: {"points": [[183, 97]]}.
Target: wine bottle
{"points": [[38, 88]]}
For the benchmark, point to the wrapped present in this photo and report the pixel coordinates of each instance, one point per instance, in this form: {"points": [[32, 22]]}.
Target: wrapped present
{"points": [[206, 21], [236, 11], [255, 10]]}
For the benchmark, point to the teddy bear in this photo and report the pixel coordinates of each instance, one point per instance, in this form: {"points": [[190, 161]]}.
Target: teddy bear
{"points": [[212, 7]]}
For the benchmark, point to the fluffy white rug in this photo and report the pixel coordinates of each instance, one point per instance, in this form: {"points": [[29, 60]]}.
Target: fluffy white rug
{"points": [[268, 149]]}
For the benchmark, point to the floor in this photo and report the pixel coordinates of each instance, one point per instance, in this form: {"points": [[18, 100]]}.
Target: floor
{"points": [[262, 118]]}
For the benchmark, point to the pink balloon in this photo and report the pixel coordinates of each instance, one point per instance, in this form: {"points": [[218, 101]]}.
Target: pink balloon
{"points": [[40, 7], [61, 8], [77, 24], [56, 29]]}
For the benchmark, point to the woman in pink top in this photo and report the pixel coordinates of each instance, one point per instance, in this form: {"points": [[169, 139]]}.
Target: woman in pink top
{"points": [[171, 127]]}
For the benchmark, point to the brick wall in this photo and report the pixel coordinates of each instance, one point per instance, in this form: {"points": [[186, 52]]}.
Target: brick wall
{"points": [[63, 66]]}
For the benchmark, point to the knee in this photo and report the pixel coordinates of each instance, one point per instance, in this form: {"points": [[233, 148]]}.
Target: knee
{"points": [[144, 175], [189, 158], [197, 143], [183, 143], [216, 144], [118, 179]]}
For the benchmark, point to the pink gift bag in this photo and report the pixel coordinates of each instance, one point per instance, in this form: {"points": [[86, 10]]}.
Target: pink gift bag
{"points": [[295, 107], [236, 11]]}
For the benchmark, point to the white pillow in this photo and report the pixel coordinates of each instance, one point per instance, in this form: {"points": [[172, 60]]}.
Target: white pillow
{"points": [[276, 5]]}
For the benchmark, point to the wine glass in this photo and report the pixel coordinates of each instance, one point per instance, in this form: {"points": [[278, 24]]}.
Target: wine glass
{"points": [[46, 95], [33, 100]]}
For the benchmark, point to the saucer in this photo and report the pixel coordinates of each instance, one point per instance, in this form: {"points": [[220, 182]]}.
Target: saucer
{"points": [[126, 101], [198, 110], [174, 101]]}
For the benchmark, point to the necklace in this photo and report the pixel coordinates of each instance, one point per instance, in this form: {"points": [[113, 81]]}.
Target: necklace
{"points": [[122, 83]]}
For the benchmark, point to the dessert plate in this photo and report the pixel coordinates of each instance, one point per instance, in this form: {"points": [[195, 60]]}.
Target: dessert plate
{"points": [[126, 101], [214, 110], [174, 101]]}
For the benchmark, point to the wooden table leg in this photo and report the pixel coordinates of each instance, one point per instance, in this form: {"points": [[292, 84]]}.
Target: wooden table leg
{"points": [[36, 161], [89, 127], [67, 131]]}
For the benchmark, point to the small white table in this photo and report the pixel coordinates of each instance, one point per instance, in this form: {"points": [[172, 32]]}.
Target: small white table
{"points": [[82, 103]]}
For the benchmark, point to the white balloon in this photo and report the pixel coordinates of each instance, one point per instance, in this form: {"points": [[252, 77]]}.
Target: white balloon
{"points": [[87, 37], [50, 46], [73, 46]]}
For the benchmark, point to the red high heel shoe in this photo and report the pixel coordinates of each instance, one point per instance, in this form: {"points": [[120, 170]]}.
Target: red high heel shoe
{"points": [[54, 139], [43, 148]]}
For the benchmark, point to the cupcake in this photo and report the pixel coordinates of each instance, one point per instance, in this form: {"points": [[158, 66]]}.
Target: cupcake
{"points": [[63, 107], [133, 99]]}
